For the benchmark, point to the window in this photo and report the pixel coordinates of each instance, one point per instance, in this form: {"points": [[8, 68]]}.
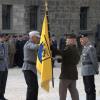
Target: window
{"points": [[33, 17], [6, 16], [83, 18]]}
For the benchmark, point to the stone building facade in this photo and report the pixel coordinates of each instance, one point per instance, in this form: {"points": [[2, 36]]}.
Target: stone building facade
{"points": [[16, 16], [64, 15]]}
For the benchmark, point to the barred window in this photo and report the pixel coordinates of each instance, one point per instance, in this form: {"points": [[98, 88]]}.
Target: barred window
{"points": [[6, 16]]}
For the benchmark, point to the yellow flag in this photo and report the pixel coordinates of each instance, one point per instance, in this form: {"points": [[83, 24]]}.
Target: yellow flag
{"points": [[44, 64]]}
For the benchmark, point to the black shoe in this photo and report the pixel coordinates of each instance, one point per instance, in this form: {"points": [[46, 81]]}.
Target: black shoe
{"points": [[3, 98]]}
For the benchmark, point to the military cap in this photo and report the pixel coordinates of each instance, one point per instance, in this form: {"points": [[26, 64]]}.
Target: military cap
{"points": [[71, 36], [81, 35]]}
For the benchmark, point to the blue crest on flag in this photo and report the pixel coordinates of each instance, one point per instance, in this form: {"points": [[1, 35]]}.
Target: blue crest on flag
{"points": [[40, 50]]}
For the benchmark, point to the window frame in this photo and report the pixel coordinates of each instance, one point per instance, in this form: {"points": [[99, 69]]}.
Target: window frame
{"points": [[33, 17], [83, 18], [6, 16]]}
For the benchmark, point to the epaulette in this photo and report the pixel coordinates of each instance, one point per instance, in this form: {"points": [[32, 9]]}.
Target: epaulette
{"points": [[91, 47]]}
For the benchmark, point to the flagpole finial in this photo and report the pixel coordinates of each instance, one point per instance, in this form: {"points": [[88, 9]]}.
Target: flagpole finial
{"points": [[46, 5]]}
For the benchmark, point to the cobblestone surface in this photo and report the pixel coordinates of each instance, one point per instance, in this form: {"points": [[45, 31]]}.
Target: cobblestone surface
{"points": [[16, 87]]}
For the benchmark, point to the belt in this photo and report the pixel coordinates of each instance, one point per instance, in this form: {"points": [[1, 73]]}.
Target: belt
{"points": [[87, 63], [30, 62]]}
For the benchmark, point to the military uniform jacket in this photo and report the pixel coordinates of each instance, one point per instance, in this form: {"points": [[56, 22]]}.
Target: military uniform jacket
{"points": [[3, 56], [70, 59], [30, 56], [89, 60]]}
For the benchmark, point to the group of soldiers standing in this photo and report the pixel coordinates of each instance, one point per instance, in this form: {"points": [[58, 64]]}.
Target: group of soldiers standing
{"points": [[15, 48], [12, 48]]}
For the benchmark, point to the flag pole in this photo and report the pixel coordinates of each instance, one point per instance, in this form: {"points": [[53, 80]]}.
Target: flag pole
{"points": [[46, 9]]}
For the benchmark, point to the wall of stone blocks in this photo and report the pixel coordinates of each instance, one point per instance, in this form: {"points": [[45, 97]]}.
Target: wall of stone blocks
{"points": [[17, 18], [64, 15], [0, 18], [12, 1]]}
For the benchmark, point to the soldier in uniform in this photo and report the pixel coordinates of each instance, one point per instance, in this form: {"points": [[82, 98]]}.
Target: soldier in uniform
{"points": [[29, 65], [12, 51], [89, 66], [3, 66], [69, 75]]}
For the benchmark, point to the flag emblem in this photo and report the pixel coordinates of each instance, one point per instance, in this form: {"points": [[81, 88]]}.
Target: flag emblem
{"points": [[40, 50]]}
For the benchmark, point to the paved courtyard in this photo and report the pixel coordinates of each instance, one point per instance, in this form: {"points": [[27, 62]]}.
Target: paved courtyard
{"points": [[16, 87]]}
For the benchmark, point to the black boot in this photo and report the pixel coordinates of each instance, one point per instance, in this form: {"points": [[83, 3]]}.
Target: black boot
{"points": [[3, 98]]}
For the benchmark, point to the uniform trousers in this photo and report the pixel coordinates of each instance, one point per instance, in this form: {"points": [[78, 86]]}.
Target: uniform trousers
{"points": [[71, 86], [11, 60], [3, 80], [32, 85], [89, 86]]}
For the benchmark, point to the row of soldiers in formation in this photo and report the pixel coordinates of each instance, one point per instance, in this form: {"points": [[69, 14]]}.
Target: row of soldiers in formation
{"points": [[15, 48]]}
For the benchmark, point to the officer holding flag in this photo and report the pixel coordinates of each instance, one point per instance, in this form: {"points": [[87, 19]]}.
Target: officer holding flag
{"points": [[29, 65]]}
